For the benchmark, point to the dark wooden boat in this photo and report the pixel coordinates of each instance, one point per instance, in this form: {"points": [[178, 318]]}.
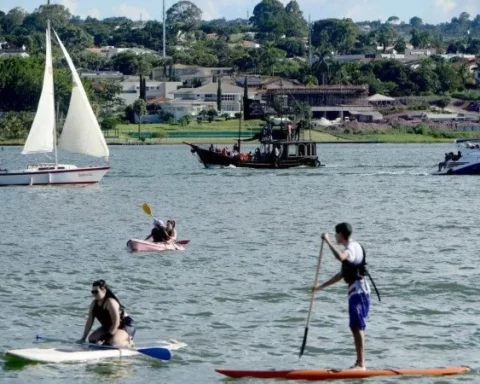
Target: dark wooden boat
{"points": [[290, 154]]}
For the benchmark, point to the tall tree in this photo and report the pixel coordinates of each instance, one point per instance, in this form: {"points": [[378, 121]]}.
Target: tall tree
{"points": [[269, 19], [14, 18], [386, 35], [400, 45], [420, 39], [334, 35], [393, 20], [295, 23], [140, 108], [219, 94], [58, 14], [416, 22], [183, 16]]}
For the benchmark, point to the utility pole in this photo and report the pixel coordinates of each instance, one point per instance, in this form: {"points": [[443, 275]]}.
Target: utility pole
{"points": [[164, 31]]}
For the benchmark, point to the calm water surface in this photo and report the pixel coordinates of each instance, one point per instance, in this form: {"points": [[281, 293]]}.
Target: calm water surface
{"points": [[239, 295]]}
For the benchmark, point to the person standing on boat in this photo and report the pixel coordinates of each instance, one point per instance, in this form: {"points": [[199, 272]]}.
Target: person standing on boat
{"points": [[117, 328], [353, 270]]}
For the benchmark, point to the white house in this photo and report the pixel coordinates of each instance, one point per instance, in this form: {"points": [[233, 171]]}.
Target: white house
{"points": [[103, 75], [231, 95], [109, 51], [179, 108], [190, 101], [131, 90]]}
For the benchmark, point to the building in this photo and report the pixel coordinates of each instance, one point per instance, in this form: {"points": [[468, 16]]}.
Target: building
{"points": [[179, 107], [190, 72], [109, 51], [154, 89], [190, 101], [7, 50], [329, 101], [98, 76]]}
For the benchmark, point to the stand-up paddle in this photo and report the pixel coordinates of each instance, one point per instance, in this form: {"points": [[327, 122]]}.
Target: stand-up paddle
{"points": [[304, 343], [160, 353]]}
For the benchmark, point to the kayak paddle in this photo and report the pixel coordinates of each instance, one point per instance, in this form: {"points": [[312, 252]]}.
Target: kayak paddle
{"points": [[160, 353], [304, 343], [147, 209]]}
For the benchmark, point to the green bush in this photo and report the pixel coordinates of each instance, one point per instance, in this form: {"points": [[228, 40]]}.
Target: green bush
{"points": [[159, 135], [422, 129], [467, 95], [109, 123]]}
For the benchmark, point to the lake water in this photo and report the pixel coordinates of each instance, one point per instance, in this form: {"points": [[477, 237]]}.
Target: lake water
{"points": [[239, 295]]}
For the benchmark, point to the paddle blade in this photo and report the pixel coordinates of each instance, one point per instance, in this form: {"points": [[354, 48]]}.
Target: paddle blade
{"points": [[304, 343], [147, 209], [156, 353]]}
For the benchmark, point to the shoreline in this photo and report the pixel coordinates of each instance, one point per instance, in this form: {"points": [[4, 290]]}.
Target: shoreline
{"points": [[231, 142]]}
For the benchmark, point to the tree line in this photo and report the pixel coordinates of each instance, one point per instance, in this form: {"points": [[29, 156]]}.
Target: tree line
{"points": [[281, 30]]}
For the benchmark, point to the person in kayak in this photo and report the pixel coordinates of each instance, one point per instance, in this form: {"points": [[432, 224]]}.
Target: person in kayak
{"points": [[117, 327], [353, 271], [170, 231], [159, 232]]}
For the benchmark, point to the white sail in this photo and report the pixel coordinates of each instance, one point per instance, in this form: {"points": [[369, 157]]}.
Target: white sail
{"points": [[42, 133], [81, 132]]}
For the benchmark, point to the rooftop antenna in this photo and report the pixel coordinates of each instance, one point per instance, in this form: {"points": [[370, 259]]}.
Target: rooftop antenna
{"points": [[164, 29]]}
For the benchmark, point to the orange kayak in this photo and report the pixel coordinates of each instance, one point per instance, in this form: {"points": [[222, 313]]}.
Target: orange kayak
{"points": [[332, 374]]}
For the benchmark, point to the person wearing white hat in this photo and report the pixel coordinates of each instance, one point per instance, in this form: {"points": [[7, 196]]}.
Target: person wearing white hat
{"points": [[159, 233]]}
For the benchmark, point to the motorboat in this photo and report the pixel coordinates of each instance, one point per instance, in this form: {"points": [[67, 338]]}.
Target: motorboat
{"points": [[465, 162]]}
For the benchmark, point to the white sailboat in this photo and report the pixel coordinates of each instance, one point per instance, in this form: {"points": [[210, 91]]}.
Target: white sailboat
{"points": [[81, 134]]}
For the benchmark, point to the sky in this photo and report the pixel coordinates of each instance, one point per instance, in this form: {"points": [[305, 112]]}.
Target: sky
{"points": [[431, 11]]}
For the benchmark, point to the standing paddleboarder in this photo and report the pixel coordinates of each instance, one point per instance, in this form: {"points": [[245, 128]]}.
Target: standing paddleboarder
{"points": [[353, 273]]}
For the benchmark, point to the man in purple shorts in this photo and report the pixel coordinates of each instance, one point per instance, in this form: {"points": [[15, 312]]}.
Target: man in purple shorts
{"points": [[353, 273]]}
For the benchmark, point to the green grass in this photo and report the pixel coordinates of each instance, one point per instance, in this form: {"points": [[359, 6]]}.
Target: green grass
{"points": [[230, 127]]}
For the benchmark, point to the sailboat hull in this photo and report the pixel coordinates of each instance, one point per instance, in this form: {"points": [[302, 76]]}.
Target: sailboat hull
{"points": [[50, 175]]}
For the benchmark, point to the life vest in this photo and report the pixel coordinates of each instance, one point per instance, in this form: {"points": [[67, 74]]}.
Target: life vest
{"points": [[353, 272]]}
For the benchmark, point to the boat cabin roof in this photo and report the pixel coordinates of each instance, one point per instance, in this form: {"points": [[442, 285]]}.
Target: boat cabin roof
{"points": [[472, 140], [285, 142]]}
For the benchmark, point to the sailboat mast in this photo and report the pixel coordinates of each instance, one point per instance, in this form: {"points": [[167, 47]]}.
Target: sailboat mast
{"points": [[54, 133], [240, 126]]}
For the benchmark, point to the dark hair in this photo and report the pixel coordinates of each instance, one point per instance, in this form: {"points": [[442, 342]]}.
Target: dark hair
{"points": [[345, 229], [109, 294]]}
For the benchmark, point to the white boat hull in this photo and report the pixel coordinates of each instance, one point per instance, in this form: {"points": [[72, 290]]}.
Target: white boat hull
{"points": [[465, 162], [77, 353], [61, 175]]}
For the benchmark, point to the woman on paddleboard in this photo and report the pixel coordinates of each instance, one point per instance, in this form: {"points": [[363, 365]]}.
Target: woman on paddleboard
{"points": [[353, 272], [117, 327]]}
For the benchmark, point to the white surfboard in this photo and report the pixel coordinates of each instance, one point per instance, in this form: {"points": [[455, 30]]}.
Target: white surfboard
{"points": [[78, 353]]}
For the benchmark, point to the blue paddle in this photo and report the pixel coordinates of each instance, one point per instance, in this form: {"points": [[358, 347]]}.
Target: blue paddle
{"points": [[160, 353]]}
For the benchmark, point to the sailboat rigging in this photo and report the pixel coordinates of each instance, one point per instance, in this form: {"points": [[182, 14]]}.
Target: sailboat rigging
{"points": [[81, 133]]}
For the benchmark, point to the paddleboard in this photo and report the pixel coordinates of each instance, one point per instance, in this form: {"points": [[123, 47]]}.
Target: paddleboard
{"points": [[332, 374], [76, 353]]}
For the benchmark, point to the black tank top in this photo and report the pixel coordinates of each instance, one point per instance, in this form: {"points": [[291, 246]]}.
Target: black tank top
{"points": [[101, 313]]}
